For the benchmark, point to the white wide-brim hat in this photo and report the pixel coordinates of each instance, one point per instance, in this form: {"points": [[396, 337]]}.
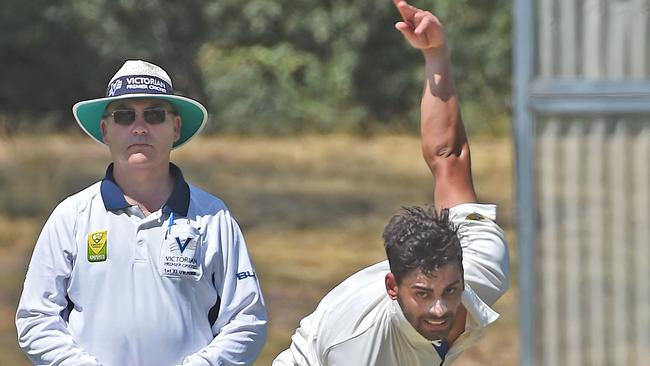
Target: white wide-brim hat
{"points": [[141, 79]]}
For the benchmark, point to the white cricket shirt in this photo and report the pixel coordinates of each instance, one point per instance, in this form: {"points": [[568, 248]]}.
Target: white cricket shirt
{"points": [[108, 286], [358, 324]]}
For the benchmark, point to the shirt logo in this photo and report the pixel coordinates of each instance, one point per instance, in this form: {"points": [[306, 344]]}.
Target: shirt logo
{"points": [[181, 254], [97, 243], [182, 246]]}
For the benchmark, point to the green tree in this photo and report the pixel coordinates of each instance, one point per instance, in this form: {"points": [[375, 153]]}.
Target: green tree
{"points": [[42, 50], [260, 66]]}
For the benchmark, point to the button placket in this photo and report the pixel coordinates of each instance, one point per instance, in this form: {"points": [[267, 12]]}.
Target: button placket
{"points": [[141, 249]]}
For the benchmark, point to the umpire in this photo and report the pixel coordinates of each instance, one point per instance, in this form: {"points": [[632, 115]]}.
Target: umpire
{"points": [[141, 268]]}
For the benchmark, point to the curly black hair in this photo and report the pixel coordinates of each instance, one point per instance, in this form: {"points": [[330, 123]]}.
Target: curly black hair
{"points": [[420, 238]]}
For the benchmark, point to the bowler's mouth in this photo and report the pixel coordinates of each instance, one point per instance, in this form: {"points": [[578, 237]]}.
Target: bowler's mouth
{"points": [[437, 324]]}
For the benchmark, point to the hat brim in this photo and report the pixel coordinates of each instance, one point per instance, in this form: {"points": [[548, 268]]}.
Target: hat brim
{"points": [[89, 113]]}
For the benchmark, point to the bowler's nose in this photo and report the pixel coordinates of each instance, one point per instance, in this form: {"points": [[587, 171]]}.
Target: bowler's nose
{"points": [[438, 308]]}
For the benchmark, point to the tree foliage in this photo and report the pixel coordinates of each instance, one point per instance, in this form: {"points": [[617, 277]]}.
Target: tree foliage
{"points": [[260, 66]]}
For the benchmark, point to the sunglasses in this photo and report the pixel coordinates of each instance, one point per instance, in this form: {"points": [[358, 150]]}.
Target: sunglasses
{"points": [[153, 116]]}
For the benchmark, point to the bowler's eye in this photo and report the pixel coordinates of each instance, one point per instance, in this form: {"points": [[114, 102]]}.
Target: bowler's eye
{"points": [[422, 294], [451, 290]]}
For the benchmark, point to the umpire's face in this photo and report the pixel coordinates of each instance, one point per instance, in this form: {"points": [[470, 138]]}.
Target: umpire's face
{"points": [[140, 132], [429, 302]]}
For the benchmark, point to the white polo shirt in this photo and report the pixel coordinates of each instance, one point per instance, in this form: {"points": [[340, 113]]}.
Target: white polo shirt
{"points": [[358, 324], [108, 286]]}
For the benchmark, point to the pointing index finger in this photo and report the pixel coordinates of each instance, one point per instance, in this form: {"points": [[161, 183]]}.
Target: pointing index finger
{"points": [[406, 11]]}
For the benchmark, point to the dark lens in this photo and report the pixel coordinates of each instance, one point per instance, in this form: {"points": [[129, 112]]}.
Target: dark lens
{"points": [[154, 116], [123, 117]]}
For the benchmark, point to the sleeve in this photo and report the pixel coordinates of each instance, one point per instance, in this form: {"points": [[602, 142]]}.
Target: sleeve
{"points": [[301, 352], [485, 253], [336, 320], [241, 327], [42, 332]]}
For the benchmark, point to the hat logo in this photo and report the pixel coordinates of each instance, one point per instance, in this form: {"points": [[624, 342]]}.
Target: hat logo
{"points": [[117, 84], [134, 84], [145, 83]]}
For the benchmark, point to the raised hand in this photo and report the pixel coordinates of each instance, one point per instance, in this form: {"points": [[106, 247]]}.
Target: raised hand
{"points": [[421, 28]]}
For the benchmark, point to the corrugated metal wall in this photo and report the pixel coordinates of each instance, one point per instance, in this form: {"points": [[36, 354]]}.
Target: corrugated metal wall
{"points": [[582, 89], [593, 252], [593, 39]]}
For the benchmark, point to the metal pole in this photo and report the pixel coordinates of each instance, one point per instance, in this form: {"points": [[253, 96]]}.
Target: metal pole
{"points": [[524, 145]]}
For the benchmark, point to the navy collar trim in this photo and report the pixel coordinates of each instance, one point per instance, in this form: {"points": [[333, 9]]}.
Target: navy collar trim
{"points": [[442, 347], [178, 201]]}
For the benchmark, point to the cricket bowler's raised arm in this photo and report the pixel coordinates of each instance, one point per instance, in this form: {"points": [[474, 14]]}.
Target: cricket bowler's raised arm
{"points": [[444, 142]]}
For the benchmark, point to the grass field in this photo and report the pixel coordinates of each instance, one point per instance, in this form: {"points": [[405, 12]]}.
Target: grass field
{"points": [[312, 210]]}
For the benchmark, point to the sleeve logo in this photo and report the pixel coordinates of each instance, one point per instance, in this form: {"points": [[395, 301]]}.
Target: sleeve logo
{"points": [[476, 217], [97, 243], [245, 275]]}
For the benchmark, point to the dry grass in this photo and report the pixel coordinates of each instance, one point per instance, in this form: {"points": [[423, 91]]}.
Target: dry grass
{"points": [[312, 209]]}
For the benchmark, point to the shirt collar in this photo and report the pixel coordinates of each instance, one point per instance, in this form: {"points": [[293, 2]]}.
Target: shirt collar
{"points": [[178, 201], [481, 312]]}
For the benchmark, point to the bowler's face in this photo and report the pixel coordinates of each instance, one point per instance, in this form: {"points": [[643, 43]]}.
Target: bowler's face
{"points": [[140, 143], [430, 303]]}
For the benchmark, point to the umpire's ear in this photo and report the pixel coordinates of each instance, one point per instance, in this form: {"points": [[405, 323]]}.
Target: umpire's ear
{"points": [[178, 123], [391, 285]]}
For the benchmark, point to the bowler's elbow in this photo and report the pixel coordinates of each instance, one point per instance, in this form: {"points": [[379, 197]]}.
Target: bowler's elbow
{"points": [[444, 157]]}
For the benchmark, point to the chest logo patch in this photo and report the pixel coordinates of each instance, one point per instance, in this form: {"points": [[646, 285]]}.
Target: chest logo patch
{"points": [[97, 243], [181, 252]]}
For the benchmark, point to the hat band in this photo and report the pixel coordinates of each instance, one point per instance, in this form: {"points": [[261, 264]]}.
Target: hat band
{"points": [[138, 84]]}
